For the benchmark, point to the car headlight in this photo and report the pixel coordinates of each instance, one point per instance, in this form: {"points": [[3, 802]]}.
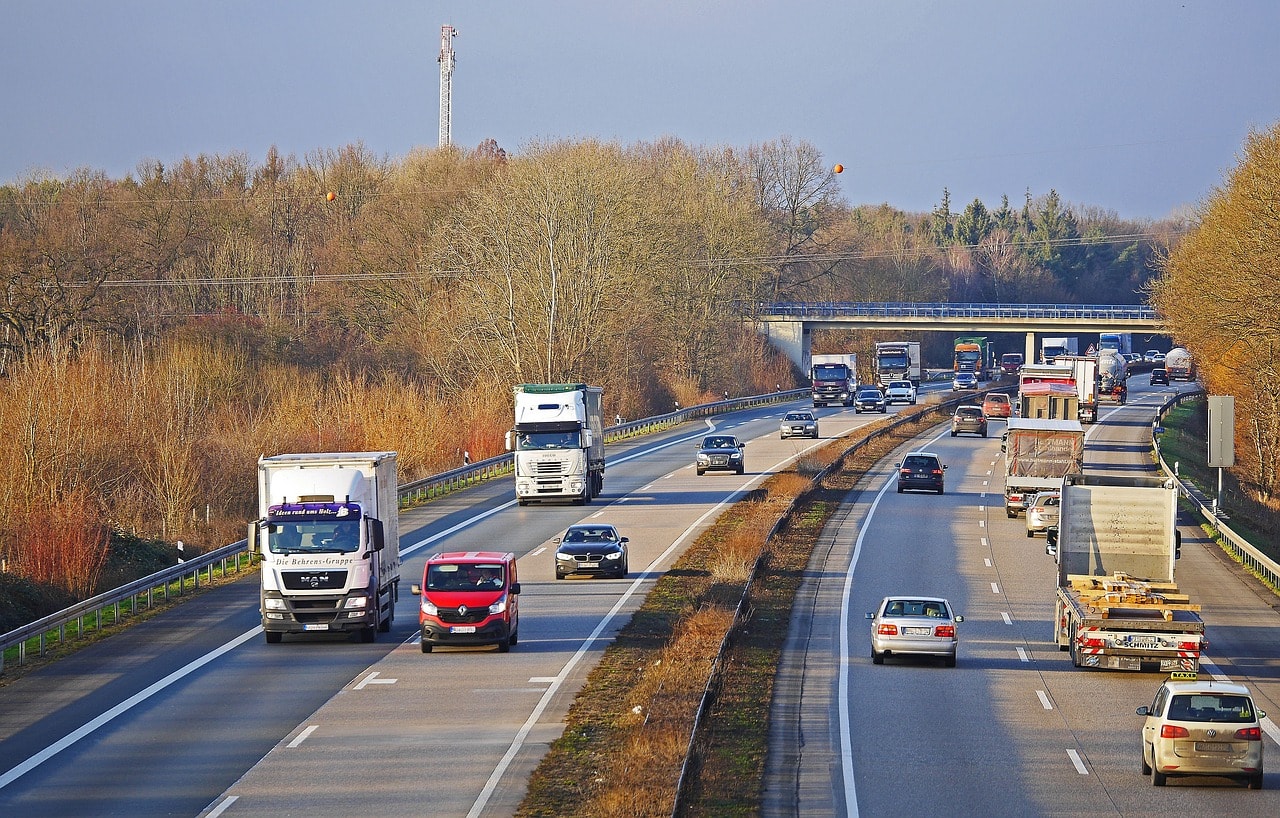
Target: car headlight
{"points": [[499, 606], [736, 456], [703, 458], [565, 557], [617, 555]]}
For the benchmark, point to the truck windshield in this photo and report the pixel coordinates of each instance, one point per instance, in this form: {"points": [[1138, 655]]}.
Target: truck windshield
{"points": [[830, 372], [549, 440], [314, 536], [893, 360]]}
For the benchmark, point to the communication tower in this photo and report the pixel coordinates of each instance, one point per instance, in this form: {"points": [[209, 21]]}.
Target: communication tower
{"points": [[447, 33]]}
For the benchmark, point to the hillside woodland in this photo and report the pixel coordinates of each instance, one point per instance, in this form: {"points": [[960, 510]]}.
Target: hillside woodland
{"points": [[163, 330], [1219, 295]]}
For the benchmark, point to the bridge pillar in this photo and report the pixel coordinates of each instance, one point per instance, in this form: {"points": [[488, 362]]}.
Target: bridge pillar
{"points": [[1030, 356], [793, 338]]}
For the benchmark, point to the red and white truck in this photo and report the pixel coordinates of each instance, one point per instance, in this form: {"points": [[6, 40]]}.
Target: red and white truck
{"points": [[1118, 605]]}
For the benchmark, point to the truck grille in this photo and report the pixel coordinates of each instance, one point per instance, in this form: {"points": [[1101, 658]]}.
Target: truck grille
{"points": [[311, 611], [313, 580], [551, 468]]}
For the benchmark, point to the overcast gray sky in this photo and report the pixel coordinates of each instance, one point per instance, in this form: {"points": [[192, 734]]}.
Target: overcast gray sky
{"points": [[1137, 106]]}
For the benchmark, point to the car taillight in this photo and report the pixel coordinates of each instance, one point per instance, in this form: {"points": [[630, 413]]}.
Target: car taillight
{"points": [[887, 630], [948, 631], [937, 472], [1249, 733], [1174, 731]]}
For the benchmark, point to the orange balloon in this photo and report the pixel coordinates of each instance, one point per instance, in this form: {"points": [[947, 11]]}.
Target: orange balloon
{"points": [[839, 168], [331, 196]]}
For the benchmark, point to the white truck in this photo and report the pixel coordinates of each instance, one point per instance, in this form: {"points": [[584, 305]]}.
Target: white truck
{"points": [[1117, 603], [1038, 455], [1051, 348], [558, 442], [834, 378], [1084, 372], [329, 535], [897, 361], [1113, 376]]}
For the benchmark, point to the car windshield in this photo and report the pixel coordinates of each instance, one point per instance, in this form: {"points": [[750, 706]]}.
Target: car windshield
{"points": [[590, 535], [900, 385], [718, 443], [869, 394], [920, 462], [916, 607], [1211, 707], [549, 440], [798, 416]]}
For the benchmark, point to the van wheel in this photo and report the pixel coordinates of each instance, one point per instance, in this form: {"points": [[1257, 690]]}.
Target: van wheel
{"points": [[426, 646], [1144, 767], [273, 638], [505, 645], [515, 637]]}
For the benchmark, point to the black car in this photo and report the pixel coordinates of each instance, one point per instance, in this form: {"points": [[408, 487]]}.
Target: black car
{"points": [[870, 400], [721, 453], [591, 548], [921, 470], [1159, 375]]}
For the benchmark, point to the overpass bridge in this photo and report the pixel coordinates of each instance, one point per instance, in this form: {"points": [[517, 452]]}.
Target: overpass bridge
{"points": [[789, 326]]}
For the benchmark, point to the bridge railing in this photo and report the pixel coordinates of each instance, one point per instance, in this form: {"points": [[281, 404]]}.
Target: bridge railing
{"points": [[113, 607], [910, 309]]}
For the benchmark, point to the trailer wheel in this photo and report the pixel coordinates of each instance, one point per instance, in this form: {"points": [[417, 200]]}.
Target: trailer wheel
{"points": [[385, 625], [273, 638]]}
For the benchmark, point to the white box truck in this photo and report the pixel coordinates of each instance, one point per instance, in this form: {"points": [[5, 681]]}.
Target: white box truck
{"points": [[329, 535], [897, 361], [558, 442]]}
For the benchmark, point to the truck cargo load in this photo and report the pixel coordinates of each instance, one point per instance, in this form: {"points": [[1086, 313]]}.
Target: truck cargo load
{"points": [[328, 532], [1039, 455], [1118, 604]]}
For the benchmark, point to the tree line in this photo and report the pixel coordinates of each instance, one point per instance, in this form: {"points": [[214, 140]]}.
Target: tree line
{"points": [[162, 330]]}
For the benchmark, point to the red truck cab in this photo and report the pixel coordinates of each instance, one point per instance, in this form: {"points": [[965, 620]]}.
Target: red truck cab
{"points": [[469, 598]]}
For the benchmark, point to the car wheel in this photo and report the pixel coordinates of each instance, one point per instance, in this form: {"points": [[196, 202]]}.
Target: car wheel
{"points": [[899, 489], [559, 575], [953, 432], [273, 638], [1255, 782], [515, 637], [984, 432], [742, 470], [1158, 778], [1145, 767], [949, 661], [1030, 533], [1011, 514], [701, 472], [426, 647], [876, 658], [941, 490]]}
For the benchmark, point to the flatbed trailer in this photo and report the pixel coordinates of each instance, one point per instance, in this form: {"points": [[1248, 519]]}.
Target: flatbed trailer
{"points": [[1121, 623]]}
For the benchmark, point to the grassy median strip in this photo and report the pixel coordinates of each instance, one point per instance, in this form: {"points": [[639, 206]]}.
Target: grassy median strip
{"points": [[627, 733]]}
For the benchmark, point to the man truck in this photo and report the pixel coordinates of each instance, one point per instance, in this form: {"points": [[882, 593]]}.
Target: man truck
{"points": [[329, 536], [835, 378], [1039, 455], [974, 354], [1117, 603], [558, 442], [897, 361]]}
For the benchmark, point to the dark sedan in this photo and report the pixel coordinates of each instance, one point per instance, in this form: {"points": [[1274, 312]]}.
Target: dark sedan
{"points": [[870, 400], [591, 548]]}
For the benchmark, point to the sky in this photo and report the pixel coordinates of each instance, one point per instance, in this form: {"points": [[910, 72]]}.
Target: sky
{"points": [[1140, 107]]}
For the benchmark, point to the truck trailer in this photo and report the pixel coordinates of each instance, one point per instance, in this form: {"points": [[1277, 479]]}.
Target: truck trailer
{"points": [[1039, 455], [897, 361], [1084, 373], [328, 532], [1180, 365], [835, 378], [1048, 392], [558, 442], [1118, 605]]}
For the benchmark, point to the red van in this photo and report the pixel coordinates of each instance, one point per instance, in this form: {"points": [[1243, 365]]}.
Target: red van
{"points": [[469, 598]]}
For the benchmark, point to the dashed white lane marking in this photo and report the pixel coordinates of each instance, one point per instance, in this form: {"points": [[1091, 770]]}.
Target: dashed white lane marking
{"points": [[982, 509], [302, 736], [1022, 655], [646, 488], [984, 542], [1005, 616], [372, 679], [537, 551], [982, 523], [1076, 760], [542, 680], [597, 514], [1044, 700], [221, 808], [995, 588], [988, 562]]}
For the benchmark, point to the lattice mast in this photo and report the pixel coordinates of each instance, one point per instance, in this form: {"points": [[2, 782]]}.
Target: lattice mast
{"points": [[447, 33]]}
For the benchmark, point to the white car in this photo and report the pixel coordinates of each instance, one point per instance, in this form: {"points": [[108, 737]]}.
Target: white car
{"points": [[1202, 727], [914, 625], [900, 392]]}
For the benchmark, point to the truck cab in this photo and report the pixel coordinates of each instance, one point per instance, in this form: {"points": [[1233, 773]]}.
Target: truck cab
{"points": [[469, 598]]}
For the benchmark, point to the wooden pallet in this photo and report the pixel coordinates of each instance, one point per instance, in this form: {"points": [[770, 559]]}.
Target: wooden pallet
{"points": [[1121, 592]]}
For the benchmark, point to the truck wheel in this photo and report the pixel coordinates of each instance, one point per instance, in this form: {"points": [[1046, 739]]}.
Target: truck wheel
{"points": [[1255, 782], [385, 625], [426, 646], [369, 634], [1011, 513], [273, 638], [1030, 533]]}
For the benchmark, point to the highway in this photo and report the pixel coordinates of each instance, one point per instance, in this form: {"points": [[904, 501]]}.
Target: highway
{"points": [[191, 712], [1014, 729]]}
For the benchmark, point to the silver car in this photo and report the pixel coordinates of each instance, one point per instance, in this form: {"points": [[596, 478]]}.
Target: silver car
{"points": [[1042, 511], [1202, 727], [799, 424], [920, 625]]}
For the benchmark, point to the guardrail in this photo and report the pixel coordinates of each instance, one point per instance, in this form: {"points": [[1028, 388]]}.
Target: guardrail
{"points": [[112, 607], [942, 309], [1253, 559]]}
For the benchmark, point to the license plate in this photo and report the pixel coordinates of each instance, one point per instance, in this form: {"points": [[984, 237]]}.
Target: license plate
{"points": [[463, 629], [1212, 747], [324, 626], [588, 565], [918, 631]]}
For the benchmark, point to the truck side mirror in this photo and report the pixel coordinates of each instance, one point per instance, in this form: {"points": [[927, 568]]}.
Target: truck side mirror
{"points": [[510, 443], [252, 538], [1177, 544], [376, 537], [586, 436]]}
